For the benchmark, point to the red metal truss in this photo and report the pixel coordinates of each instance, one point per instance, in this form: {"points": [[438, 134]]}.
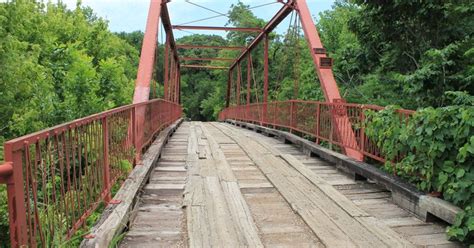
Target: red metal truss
{"points": [[147, 58], [181, 27], [323, 64], [280, 16], [325, 75], [205, 67], [205, 59], [157, 9], [188, 46]]}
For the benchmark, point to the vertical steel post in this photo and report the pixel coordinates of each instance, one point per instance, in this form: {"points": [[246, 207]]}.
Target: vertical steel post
{"points": [[179, 85], [171, 80], [16, 199], [249, 78], [265, 79], [135, 138], [166, 64], [105, 140], [362, 130], [147, 57], [176, 84], [326, 76], [318, 122], [292, 116], [227, 98], [239, 72]]}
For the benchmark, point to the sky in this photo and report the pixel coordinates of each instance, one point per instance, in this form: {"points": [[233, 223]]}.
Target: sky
{"points": [[130, 15]]}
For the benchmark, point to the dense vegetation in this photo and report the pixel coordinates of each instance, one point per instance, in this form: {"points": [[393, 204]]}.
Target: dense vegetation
{"points": [[58, 64], [438, 149]]}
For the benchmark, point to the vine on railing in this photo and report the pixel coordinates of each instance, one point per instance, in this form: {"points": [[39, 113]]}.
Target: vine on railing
{"points": [[438, 148]]}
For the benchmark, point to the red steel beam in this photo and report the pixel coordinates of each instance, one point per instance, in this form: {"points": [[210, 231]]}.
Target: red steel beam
{"points": [[185, 46], [248, 77], [182, 27], [147, 58], [166, 68], [165, 19], [277, 19], [205, 59], [325, 75], [330, 88], [205, 67], [239, 79], [229, 85]]}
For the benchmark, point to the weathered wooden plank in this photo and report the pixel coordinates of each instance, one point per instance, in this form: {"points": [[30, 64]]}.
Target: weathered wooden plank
{"points": [[241, 214], [310, 201], [223, 232], [329, 190], [116, 216], [198, 227], [384, 233]]}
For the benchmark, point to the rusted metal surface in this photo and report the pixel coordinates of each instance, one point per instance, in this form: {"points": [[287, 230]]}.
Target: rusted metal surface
{"points": [[277, 19], [147, 58], [317, 120], [57, 177], [205, 67], [205, 59], [190, 46], [239, 29]]}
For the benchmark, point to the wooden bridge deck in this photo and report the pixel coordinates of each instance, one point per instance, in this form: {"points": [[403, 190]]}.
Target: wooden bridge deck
{"points": [[223, 186]]}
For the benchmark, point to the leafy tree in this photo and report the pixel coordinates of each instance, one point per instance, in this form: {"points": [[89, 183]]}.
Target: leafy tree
{"points": [[419, 49], [57, 65]]}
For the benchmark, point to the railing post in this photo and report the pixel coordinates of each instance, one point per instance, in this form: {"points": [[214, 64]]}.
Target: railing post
{"points": [[16, 199], [292, 116], [275, 111], [135, 135], [362, 131], [265, 79], [105, 137], [318, 122]]}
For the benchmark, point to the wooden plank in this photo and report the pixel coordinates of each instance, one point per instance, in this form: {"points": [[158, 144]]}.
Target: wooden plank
{"points": [[402, 221], [198, 227], [384, 233], [430, 239], [329, 190], [223, 168], [309, 201], [330, 234], [241, 214], [116, 216], [223, 232]]}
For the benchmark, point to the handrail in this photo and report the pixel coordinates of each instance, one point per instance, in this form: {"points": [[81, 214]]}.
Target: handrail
{"points": [[6, 170], [58, 176], [317, 120]]}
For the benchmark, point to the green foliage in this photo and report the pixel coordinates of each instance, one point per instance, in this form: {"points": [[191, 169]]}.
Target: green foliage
{"points": [[202, 90], [57, 65], [437, 145], [4, 227], [418, 49]]}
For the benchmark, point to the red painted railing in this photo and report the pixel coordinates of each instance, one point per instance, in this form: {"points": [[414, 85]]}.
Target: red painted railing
{"points": [[317, 120], [57, 177]]}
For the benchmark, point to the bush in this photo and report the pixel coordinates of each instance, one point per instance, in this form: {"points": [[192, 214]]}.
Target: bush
{"points": [[437, 145]]}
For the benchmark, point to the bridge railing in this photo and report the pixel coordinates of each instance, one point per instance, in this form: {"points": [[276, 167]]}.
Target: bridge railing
{"points": [[56, 178], [316, 120]]}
